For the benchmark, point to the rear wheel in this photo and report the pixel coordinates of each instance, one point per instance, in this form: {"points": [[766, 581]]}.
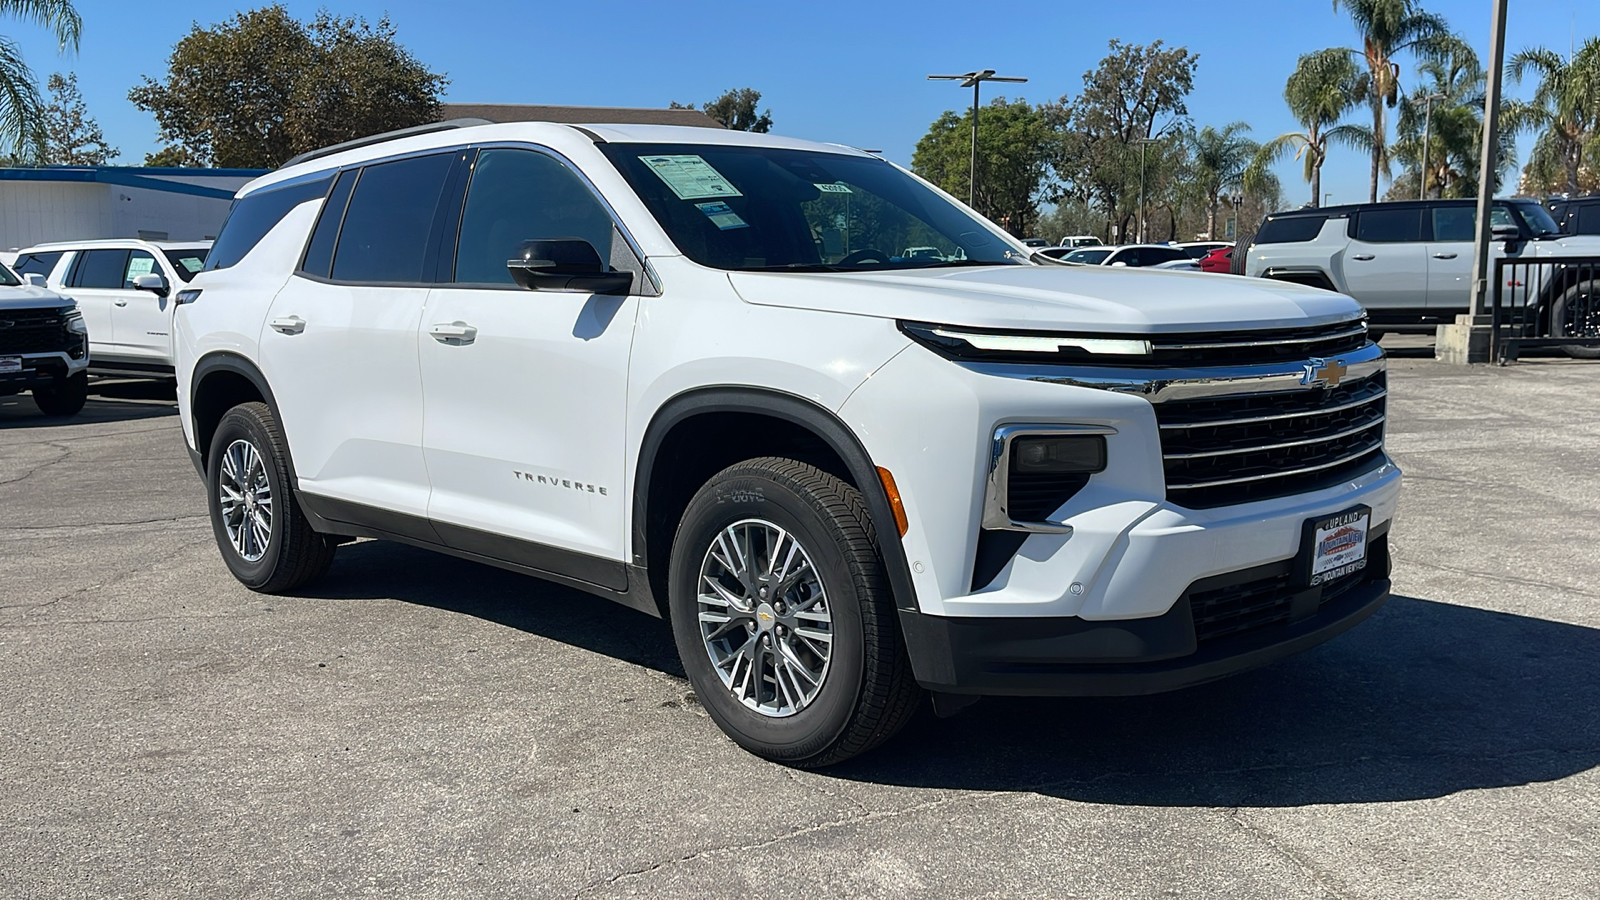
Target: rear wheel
{"points": [[783, 616], [265, 539], [63, 398], [1577, 314]]}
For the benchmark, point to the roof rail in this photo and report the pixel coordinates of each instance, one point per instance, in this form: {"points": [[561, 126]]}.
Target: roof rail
{"points": [[368, 141]]}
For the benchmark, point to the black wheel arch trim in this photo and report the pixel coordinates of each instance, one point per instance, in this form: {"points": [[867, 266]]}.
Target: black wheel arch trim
{"points": [[234, 363], [796, 410]]}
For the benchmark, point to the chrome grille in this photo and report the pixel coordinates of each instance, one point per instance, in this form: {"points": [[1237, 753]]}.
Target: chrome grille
{"points": [[34, 331], [1233, 449]]}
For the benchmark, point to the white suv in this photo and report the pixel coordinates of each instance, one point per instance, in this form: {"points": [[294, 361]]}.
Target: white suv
{"points": [[124, 289], [686, 370]]}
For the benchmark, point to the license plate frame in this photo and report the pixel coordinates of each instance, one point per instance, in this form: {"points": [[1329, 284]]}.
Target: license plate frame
{"points": [[1334, 546], [10, 365]]}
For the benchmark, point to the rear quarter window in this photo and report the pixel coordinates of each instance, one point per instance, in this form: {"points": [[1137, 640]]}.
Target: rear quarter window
{"points": [[37, 263], [255, 214], [1586, 220], [1290, 229]]}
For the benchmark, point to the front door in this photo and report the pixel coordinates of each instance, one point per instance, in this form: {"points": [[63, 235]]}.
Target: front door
{"points": [[1386, 263], [141, 322], [95, 280], [524, 392]]}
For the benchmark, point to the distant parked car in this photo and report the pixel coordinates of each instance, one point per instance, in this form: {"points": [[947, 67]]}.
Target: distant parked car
{"points": [[124, 289], [1132, 255], [1080, 240], [1198, 250], [43, 347], [1035, 242], [1218, 261]]}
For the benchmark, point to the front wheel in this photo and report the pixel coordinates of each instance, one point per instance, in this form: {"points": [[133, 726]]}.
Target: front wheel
{"points": [[783, 615], [265, 539], [63, 398], [1577, 314]]}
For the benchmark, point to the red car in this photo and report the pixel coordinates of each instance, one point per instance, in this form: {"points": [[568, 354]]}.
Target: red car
{"points": [[1219, 260]]}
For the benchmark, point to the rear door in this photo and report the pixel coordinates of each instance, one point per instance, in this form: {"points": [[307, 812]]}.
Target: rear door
{"points": [[95, 281], [1386, 261], [1450, 258]]}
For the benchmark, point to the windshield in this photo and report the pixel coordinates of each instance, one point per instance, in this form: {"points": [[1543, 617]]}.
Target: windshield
{"points": [[1087, 257], [186, 262], [1537, 219], [8, 278], [760, 208]]}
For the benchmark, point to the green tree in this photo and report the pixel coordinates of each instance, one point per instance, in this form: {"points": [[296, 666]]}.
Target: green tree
{"points": [[1389, 28], [1564, 110], [1097, 156], [736, 110], [71, 137], [1323, 87], [22, 124], [1219, 161], [1014, 148], [1454, 131], [173, 157], [262, 87]]}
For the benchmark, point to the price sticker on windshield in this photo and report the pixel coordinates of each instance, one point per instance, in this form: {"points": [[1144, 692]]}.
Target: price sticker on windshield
{"points": [[690, 177]]}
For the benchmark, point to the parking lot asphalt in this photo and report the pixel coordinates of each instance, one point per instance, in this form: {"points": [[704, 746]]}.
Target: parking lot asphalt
{"points": [[423, 727]]}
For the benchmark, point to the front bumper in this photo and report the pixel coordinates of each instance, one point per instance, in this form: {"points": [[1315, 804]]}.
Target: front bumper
{"points": [[40, 370], [1071, 656]]}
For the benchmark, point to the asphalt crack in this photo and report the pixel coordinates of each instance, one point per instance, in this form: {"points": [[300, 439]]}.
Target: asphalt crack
{"points": [[1296, 859], [66, 452]]}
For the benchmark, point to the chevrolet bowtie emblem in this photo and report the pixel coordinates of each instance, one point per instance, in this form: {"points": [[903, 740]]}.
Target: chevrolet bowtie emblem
{"points": [[1326, 372]]}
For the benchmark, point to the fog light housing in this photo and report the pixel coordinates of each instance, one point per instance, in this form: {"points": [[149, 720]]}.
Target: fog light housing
{"points": [[1035, 469], [1059, 455]]}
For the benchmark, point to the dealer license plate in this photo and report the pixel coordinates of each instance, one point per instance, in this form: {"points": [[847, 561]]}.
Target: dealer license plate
{"points": [[10, 365], [1338, 545]]}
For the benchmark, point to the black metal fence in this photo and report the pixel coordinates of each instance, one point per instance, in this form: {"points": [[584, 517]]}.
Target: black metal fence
{"points": [[1551, 302]]}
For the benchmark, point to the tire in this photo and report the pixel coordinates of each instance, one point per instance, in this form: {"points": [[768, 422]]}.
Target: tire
{"points": [[863, 691], [1577, 313], [247, 448], [64, 398]]}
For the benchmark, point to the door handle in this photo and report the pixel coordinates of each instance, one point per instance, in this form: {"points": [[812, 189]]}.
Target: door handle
{"points": [[1363, 256], [1444, 256], [455, 333], [120, 302], [288, 325]]}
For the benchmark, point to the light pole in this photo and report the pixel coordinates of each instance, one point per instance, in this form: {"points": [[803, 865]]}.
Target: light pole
{"points": [[1143, 143], [1427, 136], [973, 80]]}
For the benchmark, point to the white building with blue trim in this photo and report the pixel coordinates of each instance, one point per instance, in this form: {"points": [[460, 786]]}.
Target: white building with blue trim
{"points": [[74, 203]]}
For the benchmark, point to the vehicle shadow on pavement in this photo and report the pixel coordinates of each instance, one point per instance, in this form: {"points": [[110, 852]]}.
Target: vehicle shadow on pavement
{"points": [[384, 569], [1426, 699], [110, 400]]}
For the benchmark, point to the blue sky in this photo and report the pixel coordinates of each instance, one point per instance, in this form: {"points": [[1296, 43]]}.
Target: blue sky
{"points": [[851, 72]]}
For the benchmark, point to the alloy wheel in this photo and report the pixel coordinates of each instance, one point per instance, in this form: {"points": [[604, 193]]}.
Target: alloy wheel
{"points": [[244, 496]]}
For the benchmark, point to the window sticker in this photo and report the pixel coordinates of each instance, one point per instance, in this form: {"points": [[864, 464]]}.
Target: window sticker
{"points": [[140, 265], [191, 263], [690, 177], [722, 215], [835, 188]]}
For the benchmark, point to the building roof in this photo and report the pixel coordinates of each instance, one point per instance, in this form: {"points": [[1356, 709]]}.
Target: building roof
{"points": [[149, 178], [578, 115]]}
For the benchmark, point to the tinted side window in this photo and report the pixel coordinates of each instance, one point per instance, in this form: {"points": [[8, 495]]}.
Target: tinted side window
{"points": [[1587, 220], [319, 252], [1156, 256], [1389, 226], [139, 263], [1454, 223], [521, 195], [386, 228], [1290, 230], [253, 215], [102, 269], [37, 263]]}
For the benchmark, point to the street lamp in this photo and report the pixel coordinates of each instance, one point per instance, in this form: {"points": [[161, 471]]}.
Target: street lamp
{"points": [[973, 80], [1427, 136]]}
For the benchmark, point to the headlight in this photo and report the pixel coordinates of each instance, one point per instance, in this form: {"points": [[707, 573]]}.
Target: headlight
{"points": [[953, 342], [75, 323]]}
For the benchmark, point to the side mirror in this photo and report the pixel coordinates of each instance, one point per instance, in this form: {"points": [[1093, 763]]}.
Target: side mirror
{"points": [[1506, 232], [1119, 263], [35, 279], [565, 264], [154, 282]]}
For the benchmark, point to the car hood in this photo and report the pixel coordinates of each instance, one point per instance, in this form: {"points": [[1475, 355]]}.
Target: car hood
{"points": [[1569, 245], [26, 296], [1078, 298]]}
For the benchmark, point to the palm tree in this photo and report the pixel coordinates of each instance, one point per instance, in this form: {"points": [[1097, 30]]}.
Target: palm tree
{"points": [[1219, 159], [1389, 28], [1454, 130], [21, 109], [1565, 107], [1324, 86]]}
